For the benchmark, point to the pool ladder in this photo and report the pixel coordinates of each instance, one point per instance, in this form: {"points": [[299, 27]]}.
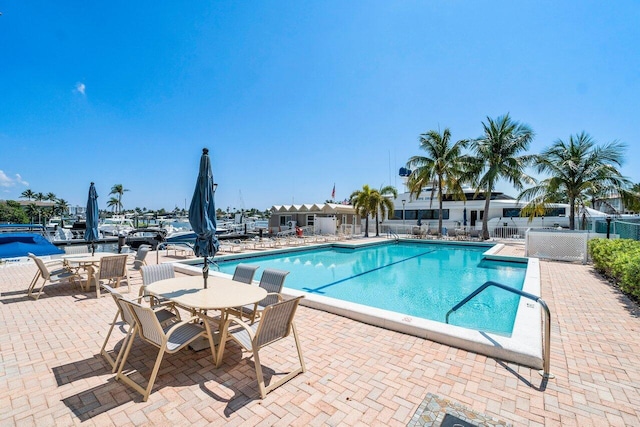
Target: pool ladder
{"points": [[547, 323], [393, 235]]}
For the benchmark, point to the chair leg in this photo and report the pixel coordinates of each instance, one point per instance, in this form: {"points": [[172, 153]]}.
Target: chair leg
{"points": [[103, 352], [44, 282], [154, 374], [259, 375], [33, 282]]}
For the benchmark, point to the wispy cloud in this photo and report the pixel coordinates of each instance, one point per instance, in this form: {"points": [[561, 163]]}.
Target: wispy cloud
{"points": [[80, 88], [6, 181]]}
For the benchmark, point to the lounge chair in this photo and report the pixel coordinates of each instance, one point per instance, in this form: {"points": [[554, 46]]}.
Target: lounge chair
{"points": [[272, 280], [168, 340], [52, 273], [244, 273], [164, 317], [275, 324]]}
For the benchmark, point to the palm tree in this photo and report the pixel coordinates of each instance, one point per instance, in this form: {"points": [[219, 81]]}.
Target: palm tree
{"points": [[362, 203], [441, 168], [62, 207], [382, 205], [496, 156], [114, 204], [50, 196], [32, 210], [118, 190], [577, 168], [38, 197], [27, 194], [631, 198]]}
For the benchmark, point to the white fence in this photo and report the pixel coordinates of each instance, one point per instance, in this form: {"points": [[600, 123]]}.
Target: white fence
{"points": [[559, 245]]}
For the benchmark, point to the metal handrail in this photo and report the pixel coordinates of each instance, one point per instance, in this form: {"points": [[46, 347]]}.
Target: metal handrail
{"points": [[393, 234], [547, 336]]}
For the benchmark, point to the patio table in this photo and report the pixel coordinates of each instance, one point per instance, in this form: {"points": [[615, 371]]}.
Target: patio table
{"points": [[87, 262], [221, 294]]}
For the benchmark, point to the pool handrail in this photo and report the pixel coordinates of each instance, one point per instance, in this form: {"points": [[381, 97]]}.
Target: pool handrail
{"points": [[547, 336]]}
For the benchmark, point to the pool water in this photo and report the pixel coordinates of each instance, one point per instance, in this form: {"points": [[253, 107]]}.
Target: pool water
{"points": [[418, 279]]}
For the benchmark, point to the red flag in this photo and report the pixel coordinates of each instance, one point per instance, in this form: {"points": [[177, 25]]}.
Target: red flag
{"points": [[333, 193]]}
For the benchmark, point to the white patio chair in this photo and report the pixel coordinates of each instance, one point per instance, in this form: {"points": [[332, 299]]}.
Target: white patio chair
{"points": [[154, 273], [244, 273], [113, 269], [54, 273], [164, 316], [275, 324], [168, 339], [141, 254], [272, 280]]}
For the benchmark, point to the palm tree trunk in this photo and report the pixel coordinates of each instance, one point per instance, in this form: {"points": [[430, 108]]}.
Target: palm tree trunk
{"points": [[377, 223], [572, 213], [485, 216], [366, 225]]}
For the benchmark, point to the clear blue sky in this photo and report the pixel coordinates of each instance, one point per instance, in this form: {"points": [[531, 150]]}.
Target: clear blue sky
{"points": [[292, 97]]}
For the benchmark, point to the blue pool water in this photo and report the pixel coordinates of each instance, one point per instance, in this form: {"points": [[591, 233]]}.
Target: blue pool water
{"points": [[418, 279]]}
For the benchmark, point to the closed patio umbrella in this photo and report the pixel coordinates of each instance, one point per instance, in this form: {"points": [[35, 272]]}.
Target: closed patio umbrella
{"points": [[91, 234], [202, 214]]}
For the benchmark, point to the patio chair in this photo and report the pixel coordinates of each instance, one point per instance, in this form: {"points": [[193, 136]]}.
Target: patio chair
{"points": [[275, 324], [154, 273], [244, 273], [169, 339], [113, 269], [164, 317], [272, 280], [52, 273], [141, 254]]}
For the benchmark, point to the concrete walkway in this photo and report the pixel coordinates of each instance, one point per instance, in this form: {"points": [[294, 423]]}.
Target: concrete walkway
{"points": [[51, 372]]}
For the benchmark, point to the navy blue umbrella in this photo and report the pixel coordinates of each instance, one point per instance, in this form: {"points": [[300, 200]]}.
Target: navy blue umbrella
{"points": [[91, 233], [202, 214]]}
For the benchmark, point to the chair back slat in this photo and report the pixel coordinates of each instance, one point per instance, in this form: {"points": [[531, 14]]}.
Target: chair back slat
{"points": [[75, 250], [148, 324], [272, 280], [275, 322], [244, 273], [154, 273], [112, 267]]}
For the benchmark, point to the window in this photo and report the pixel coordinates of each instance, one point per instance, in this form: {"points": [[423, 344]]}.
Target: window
{"points": [[284, 219], [310, 219]]}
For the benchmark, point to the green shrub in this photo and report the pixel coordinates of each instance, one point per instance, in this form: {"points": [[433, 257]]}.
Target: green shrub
{"points": [[618, 259]]}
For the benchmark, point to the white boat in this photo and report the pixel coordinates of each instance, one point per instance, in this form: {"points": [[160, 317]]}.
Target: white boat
{"points": [[504, 212], [116, 225]]}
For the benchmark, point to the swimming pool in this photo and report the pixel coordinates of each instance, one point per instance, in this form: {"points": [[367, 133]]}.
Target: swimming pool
{"points": [[422, 280], [409, 286]]}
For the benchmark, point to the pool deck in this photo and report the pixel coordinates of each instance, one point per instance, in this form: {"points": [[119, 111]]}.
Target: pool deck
{"points": [[51, 372]]}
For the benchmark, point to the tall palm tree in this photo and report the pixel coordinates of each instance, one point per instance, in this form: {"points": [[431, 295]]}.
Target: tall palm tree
{"points": [[114, 204], [62, 207], [27, 194], [577, 169], [362, 203], [118, 190], [50, 196], [382, 205], [441, 168], [38, 196], [496, 156]]}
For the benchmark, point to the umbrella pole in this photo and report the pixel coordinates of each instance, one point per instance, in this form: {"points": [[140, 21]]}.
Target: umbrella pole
{"points": [[205, 271]]}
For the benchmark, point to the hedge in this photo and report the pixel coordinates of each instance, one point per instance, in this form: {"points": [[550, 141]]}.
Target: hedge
{"points": [[618, 259]]}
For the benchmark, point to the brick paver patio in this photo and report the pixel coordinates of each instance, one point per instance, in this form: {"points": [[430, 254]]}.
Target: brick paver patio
{"points": [[51, 372]]}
